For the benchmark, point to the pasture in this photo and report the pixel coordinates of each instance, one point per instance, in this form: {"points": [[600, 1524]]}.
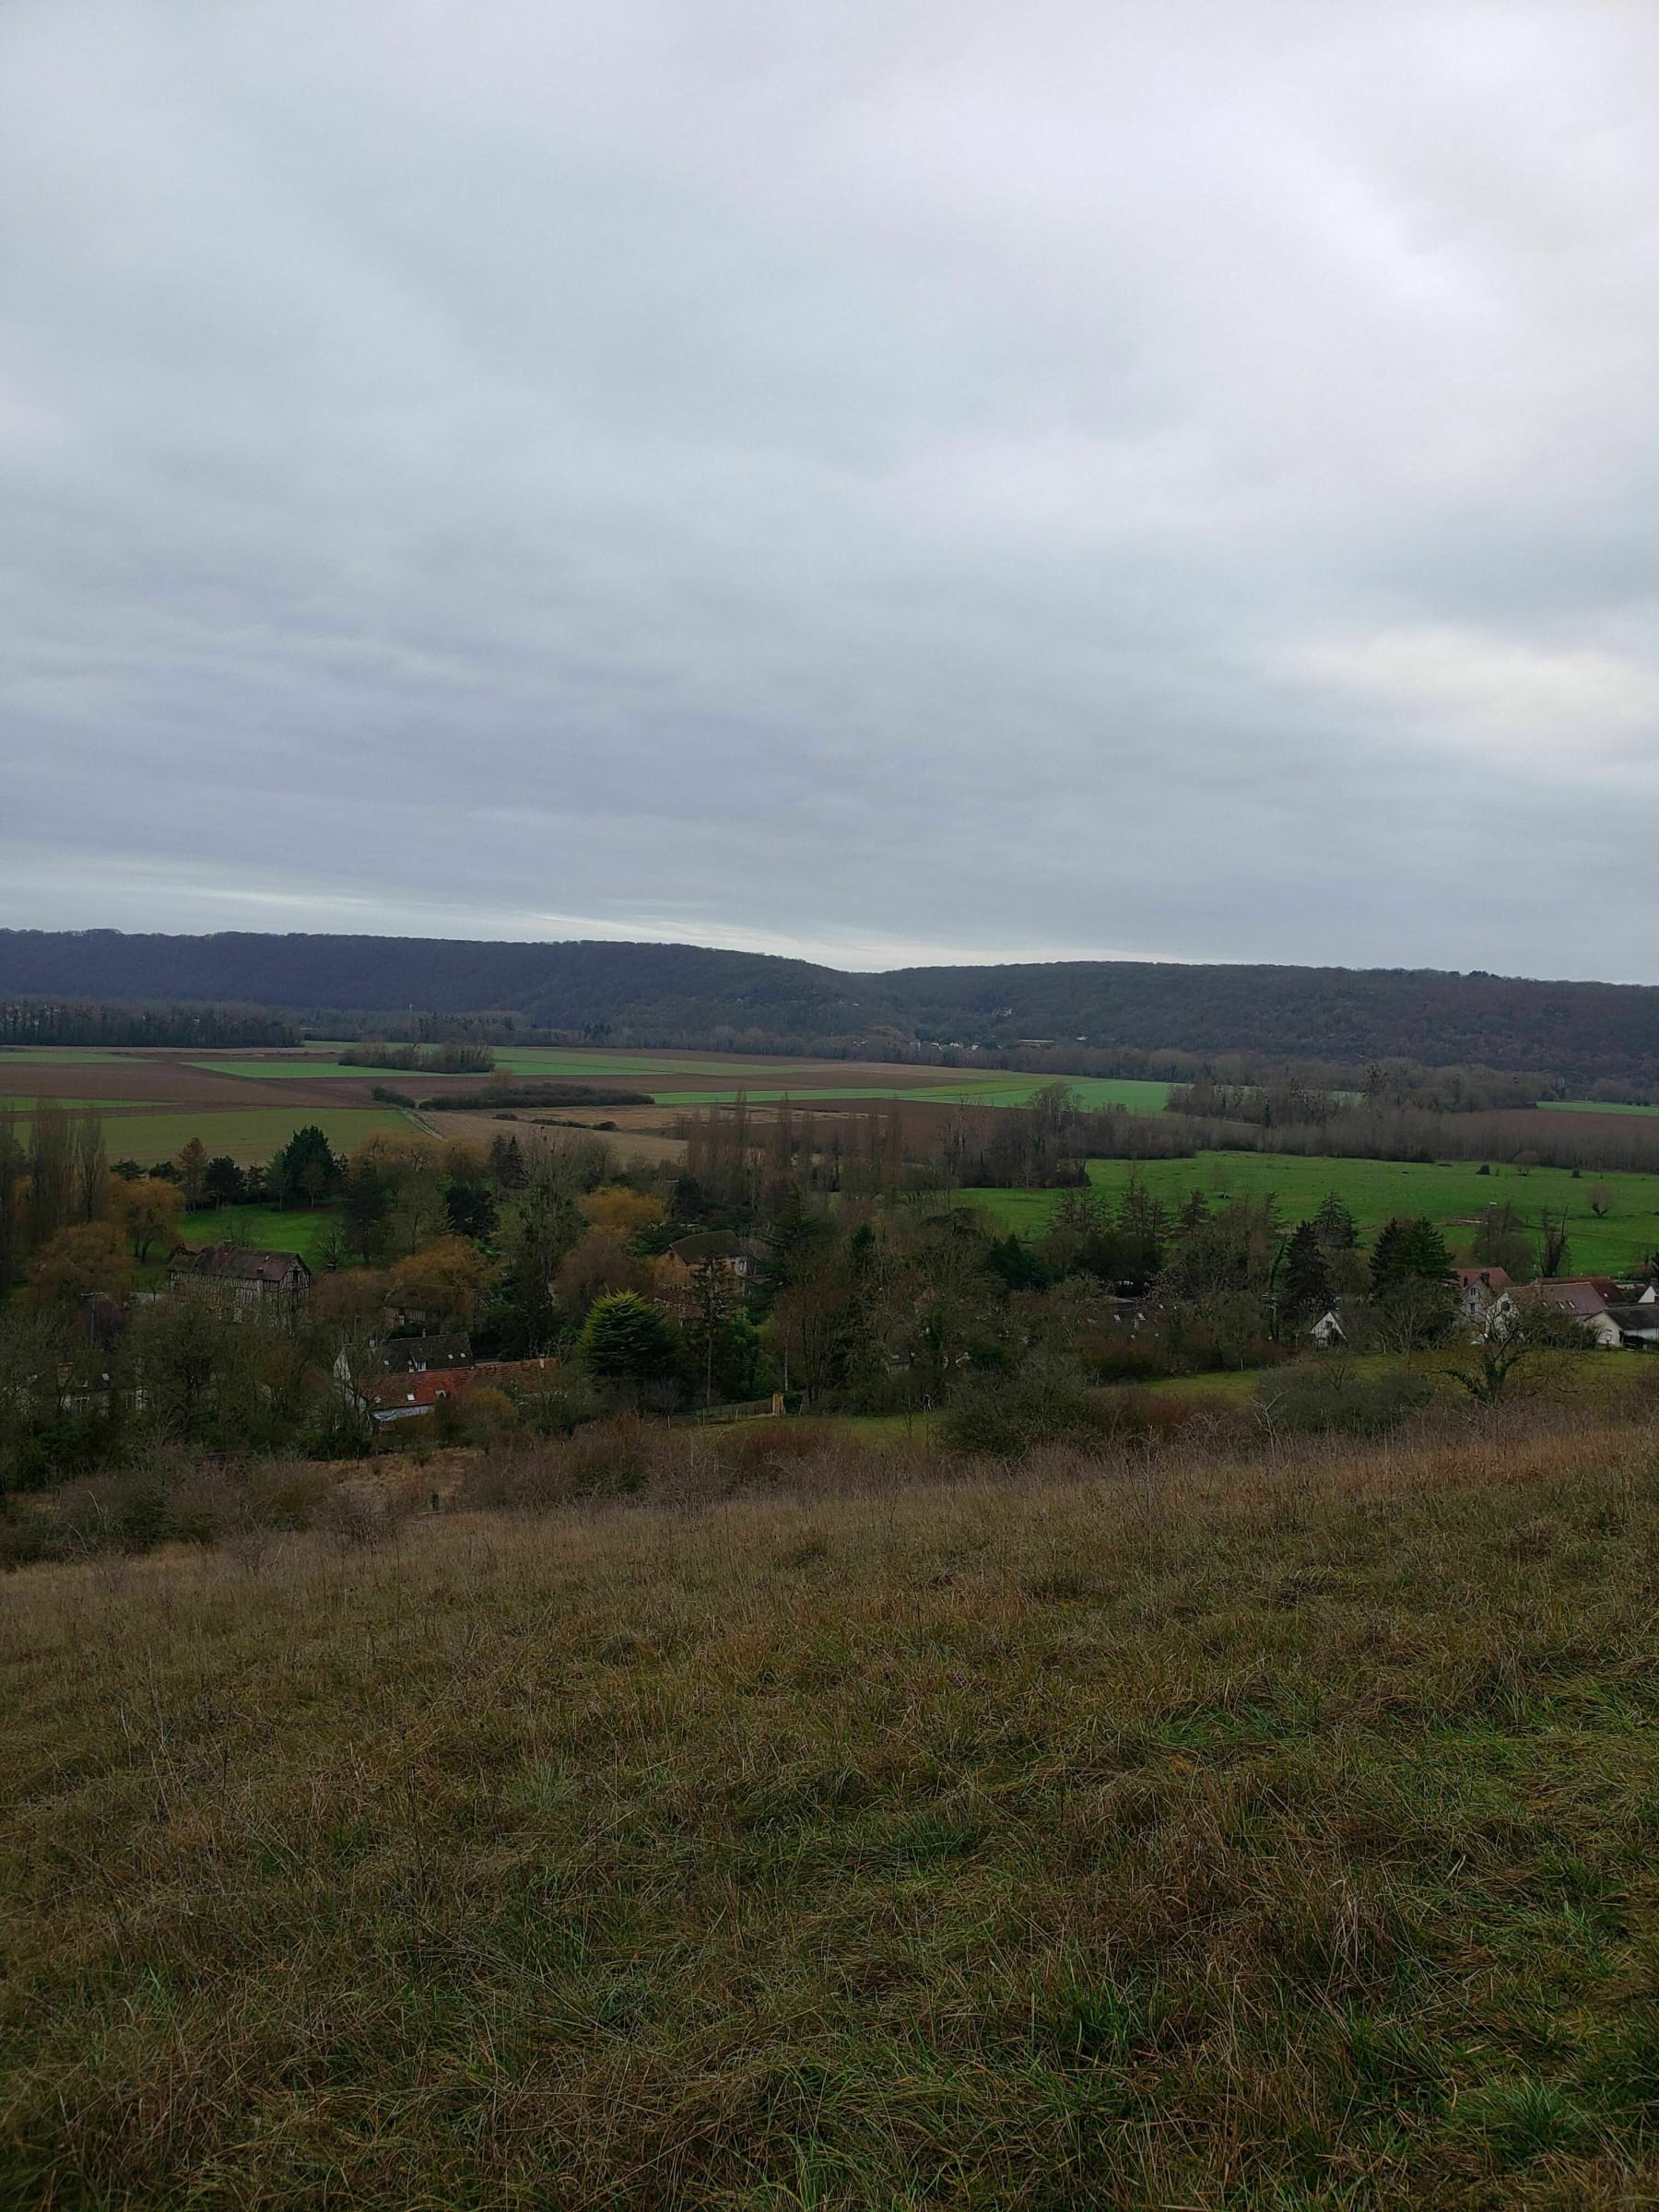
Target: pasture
{"points": [[1590, 1106], [305, 1230], [56, 1055], [1200, 1831], [1451, 1195]]}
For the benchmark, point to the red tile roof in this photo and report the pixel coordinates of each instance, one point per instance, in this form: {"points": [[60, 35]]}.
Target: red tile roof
{"points": [[423, 1392]]}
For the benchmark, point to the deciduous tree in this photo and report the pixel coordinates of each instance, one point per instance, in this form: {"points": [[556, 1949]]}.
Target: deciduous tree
{"points": [[444, 1282], [151, 1211]]}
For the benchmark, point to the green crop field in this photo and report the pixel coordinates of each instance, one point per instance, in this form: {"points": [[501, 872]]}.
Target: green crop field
{"points": [[1376, 1189], [247, 1134], [1092, 1092], [52, 1055], [1590, 1106], [25, 1102], [701, 1078]]}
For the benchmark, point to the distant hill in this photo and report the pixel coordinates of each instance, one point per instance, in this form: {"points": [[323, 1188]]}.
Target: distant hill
{"points": [[688, 994]]}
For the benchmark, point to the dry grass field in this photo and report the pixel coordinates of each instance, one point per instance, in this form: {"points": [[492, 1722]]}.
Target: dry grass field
{"points": [[1188, 1829]]}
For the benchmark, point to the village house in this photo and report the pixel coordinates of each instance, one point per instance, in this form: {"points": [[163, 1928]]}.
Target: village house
{"points": [[417, 1393], [741, 1258], [1477, 1287], [1637, 1322], [239, 1278], [1584, 1300]]}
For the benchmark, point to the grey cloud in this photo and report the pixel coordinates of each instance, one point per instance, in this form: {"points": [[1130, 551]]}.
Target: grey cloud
{"points": [[887, 480]]}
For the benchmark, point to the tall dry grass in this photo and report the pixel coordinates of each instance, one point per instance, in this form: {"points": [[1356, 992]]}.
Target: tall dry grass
{"points": [[1189, 1830]]}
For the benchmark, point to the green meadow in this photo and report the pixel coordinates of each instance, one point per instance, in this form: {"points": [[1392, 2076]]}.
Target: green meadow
{"points": [[302, 1229], [1375, 1190], [1094, 1092], [1590, 1106], [54, 1055]]}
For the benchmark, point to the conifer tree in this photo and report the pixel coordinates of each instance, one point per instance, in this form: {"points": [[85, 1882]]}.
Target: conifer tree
{"points": [[1333, 1224], [1307, 1278]]}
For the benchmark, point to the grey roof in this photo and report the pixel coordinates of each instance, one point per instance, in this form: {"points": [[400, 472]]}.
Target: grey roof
{"points": [[243, 1262], [708, 1244], [403, 1355]]}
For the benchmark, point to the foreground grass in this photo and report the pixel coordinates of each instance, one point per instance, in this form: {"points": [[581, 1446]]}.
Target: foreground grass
{"points": [[1191, 1832]]}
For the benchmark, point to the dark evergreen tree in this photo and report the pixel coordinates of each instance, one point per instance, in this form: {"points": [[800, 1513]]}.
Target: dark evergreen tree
{"points": [[1333, 1224], [1424, 1254], [507, 1163], [305, 1170], [366, 1203], [223, 1182], [1015, 1265], [1195, 1212], [1387, 1262], [626, 1339], [471, 1208], [1305, 1282]]}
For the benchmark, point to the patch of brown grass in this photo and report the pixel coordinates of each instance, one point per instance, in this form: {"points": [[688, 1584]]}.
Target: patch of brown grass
{"points": [[837, 1829]]}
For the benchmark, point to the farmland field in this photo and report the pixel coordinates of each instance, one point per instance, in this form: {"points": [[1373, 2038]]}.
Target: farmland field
{"points": [[56, 1055], [1377, 1189], [24, 1103], [704, 1078], [247, 1134], [1590, 1106], [304, 1071], [671, 1078]]}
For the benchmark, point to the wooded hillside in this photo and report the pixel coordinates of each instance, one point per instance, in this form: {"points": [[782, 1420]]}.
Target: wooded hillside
{"points": [[687, 994]]}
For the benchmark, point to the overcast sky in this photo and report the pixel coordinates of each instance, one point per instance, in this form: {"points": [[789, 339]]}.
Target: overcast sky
{"points": [[886, 479]]}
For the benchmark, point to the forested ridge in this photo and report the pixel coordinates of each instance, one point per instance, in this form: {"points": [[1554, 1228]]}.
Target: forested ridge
{"points": [[693, 995]]}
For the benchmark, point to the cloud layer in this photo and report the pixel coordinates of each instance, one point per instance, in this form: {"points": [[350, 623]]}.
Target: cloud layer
{"points": [[880, 479]]}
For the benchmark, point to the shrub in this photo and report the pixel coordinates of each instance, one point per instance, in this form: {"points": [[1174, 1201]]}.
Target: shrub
{"points": [[1005, 1418], [1333, 1399]]}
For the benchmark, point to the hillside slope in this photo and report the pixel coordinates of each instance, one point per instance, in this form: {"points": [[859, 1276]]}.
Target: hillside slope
{"points": [[693, 995]]}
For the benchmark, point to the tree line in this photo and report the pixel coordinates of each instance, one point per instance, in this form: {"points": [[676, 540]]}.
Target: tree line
{"points": [[37, 1021]]}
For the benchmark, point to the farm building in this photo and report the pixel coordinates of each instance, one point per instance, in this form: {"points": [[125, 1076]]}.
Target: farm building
{"points": [[239, 1277]]}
